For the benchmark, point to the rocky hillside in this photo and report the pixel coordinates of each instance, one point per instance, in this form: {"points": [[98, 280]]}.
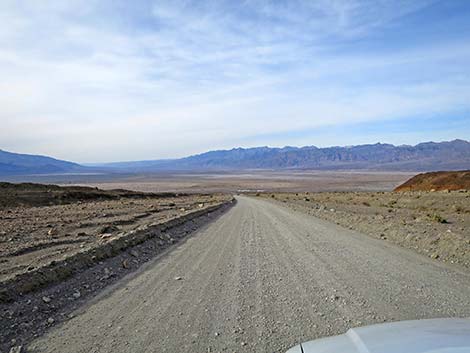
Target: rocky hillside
{"points": [[435, 181], [453, 155]]}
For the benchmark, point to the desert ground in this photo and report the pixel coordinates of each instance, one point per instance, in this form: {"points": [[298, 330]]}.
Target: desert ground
{"points": [[435, 224], [233, 182], [34, 236], [297, 256], [262, 278], [261, 180], [68, 243]]}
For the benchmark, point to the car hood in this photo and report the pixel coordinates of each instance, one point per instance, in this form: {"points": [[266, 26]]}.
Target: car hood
{"points": [[418, 336]]}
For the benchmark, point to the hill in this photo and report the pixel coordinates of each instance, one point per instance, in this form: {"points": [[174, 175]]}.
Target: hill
{"points": [[17, 164], [452, 155], [29, 194], [457, 180]]}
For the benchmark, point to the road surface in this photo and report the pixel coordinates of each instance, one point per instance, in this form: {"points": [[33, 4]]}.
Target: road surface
{"points": [[262, 278]]}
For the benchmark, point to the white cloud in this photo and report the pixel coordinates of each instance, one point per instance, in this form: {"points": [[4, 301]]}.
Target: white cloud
{"points": [[99, 81]]}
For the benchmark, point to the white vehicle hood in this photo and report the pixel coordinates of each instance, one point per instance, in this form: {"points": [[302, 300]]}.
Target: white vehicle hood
{"points": [[418, 336]]}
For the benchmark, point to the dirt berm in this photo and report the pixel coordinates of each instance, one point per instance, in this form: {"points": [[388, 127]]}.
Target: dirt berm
{"points": [[57, 270]]}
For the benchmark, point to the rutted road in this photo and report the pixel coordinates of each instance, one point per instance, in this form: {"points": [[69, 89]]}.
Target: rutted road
{"points": [[262, 278]]}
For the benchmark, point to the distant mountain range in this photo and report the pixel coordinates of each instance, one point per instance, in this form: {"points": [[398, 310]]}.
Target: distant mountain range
{"points": [[21, 164], [453, 155], [428, 156]]}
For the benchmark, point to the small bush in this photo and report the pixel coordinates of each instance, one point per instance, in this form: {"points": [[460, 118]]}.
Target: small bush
{"points": [[366, 204], [392, 203], [437, 218]]}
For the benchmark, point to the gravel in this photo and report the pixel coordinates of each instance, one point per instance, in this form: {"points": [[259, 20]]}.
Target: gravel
{"points": [[31, 315], [264, 278]]}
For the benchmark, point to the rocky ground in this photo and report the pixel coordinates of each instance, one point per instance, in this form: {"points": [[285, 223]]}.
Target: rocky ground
{"points": [[261, 278], [31, 315], [59, 247], [31, 237], [436, 224], [30, 194]]}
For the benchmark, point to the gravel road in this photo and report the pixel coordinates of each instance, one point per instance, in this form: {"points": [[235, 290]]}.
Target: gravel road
{"points": [[262, 278]]}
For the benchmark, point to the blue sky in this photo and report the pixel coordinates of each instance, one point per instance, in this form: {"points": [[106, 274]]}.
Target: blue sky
{"points": [[110, 80]]}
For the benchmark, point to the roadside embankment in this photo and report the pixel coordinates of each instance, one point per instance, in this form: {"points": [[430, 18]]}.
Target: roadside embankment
{"points": [[34, 301], [435, 224], [47, 232], [108, 245]]}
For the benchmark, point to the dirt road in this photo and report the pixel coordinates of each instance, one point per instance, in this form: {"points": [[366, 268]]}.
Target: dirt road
{"points": [[260, 279]]}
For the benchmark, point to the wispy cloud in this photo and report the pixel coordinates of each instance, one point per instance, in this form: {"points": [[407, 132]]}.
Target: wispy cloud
{"points": [[114, 80]]}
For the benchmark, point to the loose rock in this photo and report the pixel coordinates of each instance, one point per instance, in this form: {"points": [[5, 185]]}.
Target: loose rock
{"points": [[134, 253], [16, 349], [108, 229]]}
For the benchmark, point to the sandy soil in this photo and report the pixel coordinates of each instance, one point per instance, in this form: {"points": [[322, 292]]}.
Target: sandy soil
{"points": [[436, 224], [262, 278]]}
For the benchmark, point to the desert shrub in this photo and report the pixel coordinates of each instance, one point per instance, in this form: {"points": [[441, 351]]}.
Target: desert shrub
{"points": [[392, 203], [365, 203], [437, 218]]}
